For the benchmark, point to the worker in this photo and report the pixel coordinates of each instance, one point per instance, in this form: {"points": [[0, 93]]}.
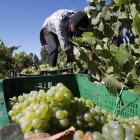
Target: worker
{"points": [[58, 29], [34, 59]]}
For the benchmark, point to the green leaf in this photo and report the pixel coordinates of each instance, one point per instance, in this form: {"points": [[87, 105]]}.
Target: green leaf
{"points": [[133, 10], [137, 41], [88, 10], [117, 27], [76, 52], [110, 70], [125, 2], [80, 39], [137, 88], [121, 14], [119, 3], [133, 73], [89, 39], [106, 13], [96, 20], [101, 27], [126, 53], [136, 24], [82, 54], [108, 31], [136, 49], [112, 84], [94, 69]]}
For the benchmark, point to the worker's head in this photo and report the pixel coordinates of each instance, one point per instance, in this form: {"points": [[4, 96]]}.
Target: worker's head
{"points": [[31, 53], [79, 23]]}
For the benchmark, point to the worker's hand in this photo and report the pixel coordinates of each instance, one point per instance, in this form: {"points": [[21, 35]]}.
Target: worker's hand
{"points": [[83, 68]]}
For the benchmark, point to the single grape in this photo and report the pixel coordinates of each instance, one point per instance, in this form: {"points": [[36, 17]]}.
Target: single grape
{"points": [[30, 115], [93, 112], [97, 136], [79, 134], [65, 113], [36, 123], [47, 116], [28, 133], [64, 122], [41, 97], [19, 116], [13, 118], [59, 96], [59, 114], [135, 129], [26, 103], [79, 123], [54, 88], [67, 96], [21, 120], [92, 122], [19, 108], [36, 106], [59, 85], [12, 113], [62, 89], [38, 130], [98, 110], [117, 132], [106, 130], [87, 116], [39, 113], [44, 107], [26, 126], [34, 100]]}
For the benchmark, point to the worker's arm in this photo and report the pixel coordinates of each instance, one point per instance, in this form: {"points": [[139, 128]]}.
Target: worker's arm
{"points": [[72, 56]]}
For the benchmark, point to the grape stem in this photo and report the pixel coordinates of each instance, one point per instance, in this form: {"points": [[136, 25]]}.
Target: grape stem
{"points": [[120, 95], [126, 104]]}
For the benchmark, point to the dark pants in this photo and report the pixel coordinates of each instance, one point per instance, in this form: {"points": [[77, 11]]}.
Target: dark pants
{"points": [[52, 45]]}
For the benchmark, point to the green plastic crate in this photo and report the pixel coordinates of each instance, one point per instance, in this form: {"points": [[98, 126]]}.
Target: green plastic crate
{"points": [[14, 73], [80, 86]]}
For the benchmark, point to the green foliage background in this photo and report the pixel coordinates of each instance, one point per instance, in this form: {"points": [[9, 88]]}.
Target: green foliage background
{"points": [[112, 64]]}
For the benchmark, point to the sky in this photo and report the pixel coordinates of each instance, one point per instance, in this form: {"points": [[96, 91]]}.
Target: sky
{"points": [[22, 20]]}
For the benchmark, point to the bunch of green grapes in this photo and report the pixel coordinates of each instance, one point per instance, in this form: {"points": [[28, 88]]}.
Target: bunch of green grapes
{"points": [[76, 68], [53, 111], [47, 67], [110, 131], [56, 109], [24, 71], [30, 70]]}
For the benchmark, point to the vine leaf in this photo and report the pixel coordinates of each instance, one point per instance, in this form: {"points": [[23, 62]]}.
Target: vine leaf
{"points": [[137, 88], [136, 24], [89, 39], [106, 14], [108, 31], [101, 27], [94, 69], [121, 15], [133, 10], [112, 84], [119, 3]]}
